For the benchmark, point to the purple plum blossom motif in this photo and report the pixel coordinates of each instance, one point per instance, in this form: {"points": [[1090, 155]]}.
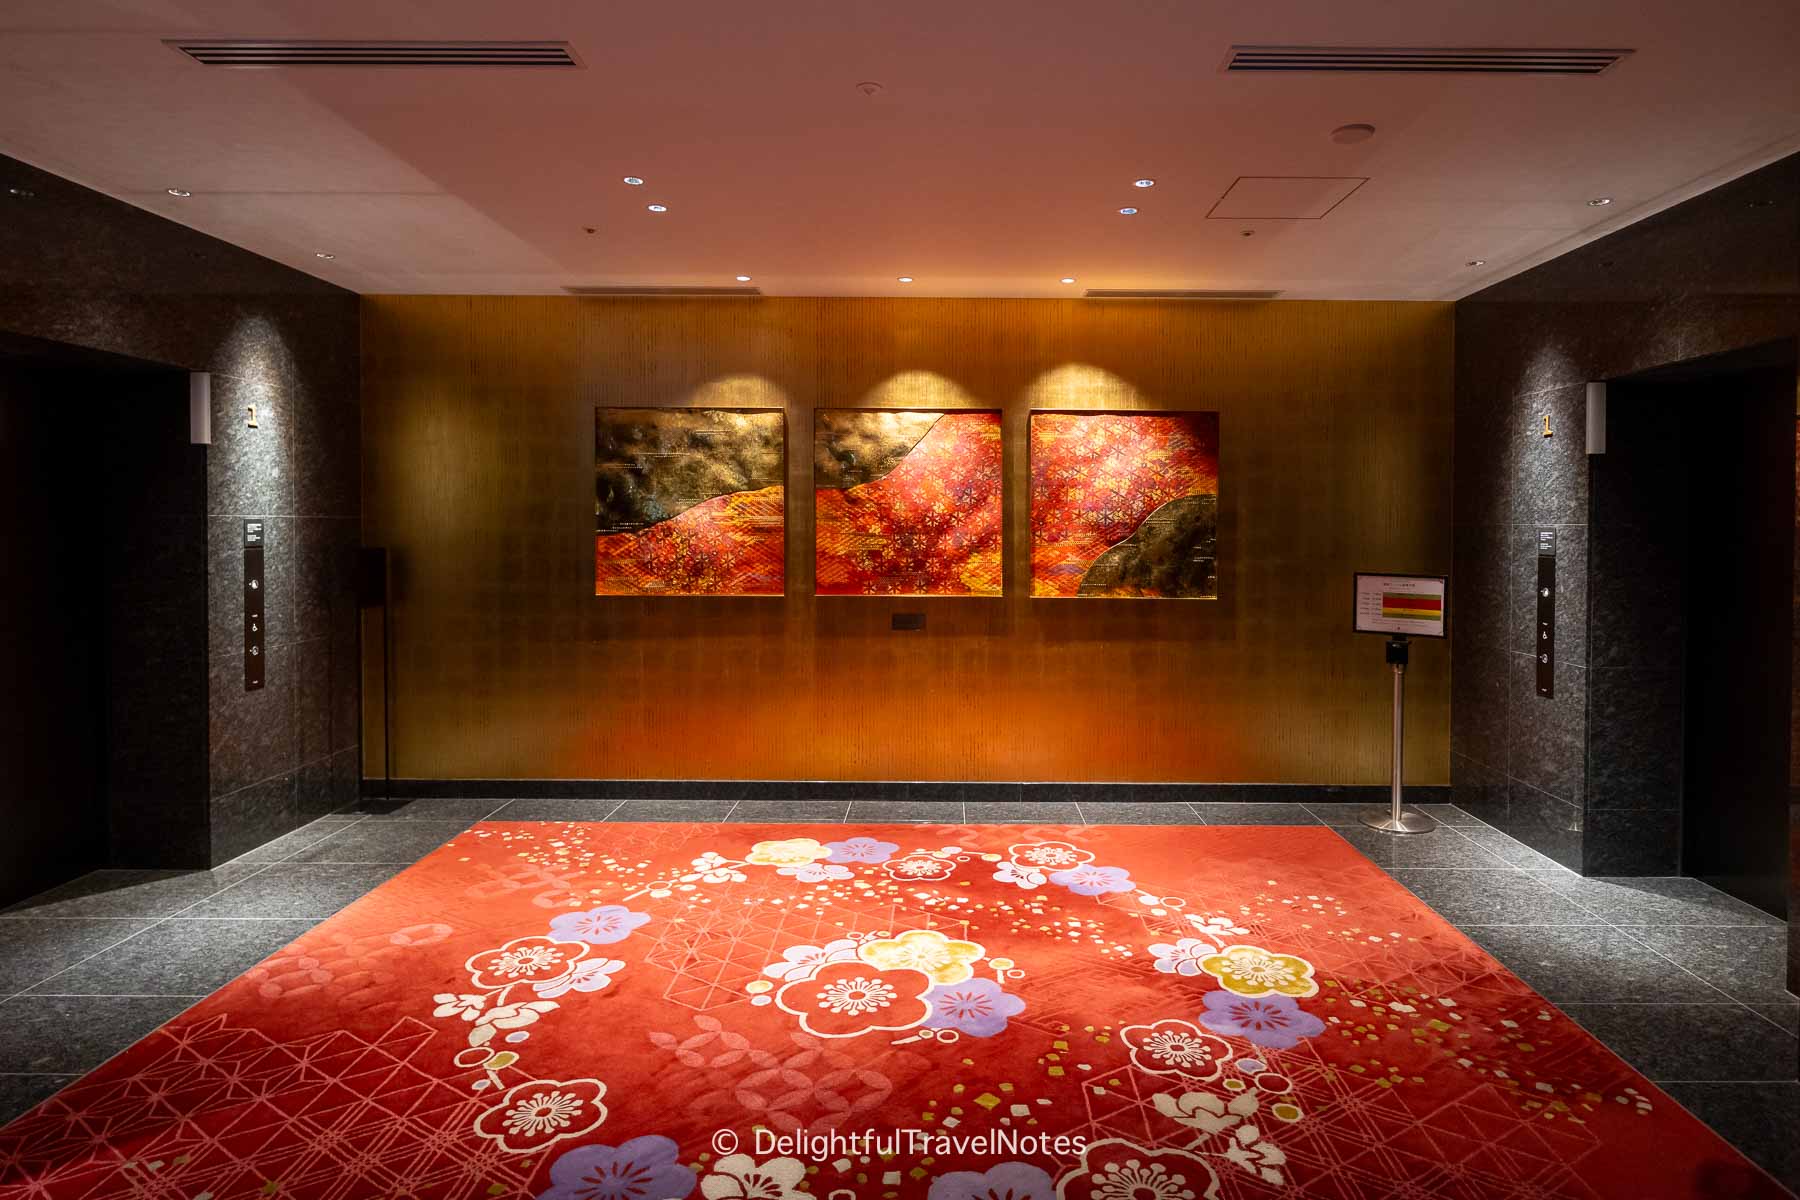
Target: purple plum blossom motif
{"points": [[976, 1006], [1091, 880], [598, 926], [1008, 1181], [1274, 1020], [860, 850], [644, 1168]]}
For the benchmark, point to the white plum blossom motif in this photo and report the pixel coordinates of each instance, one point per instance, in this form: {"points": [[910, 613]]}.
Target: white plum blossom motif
{"points": [[507, 1018], [1051, 855], [589, 976], [815, 872], [797, 962], [713, 867], [856, 996], [740, 1177], [1262, 1158], [544, 1112], [1020, 877], [468, 1006], [1216, 927], [1182, 957], [537, 1113], [1178, 1048], [1206, 1112]]}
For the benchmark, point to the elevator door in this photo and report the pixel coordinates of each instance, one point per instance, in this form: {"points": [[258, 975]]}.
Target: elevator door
{"points": [[1739, 633], [51, 691]]}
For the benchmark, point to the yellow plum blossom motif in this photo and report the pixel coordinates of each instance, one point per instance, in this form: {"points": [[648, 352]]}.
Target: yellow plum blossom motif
{"points": [[790, 852], [924, 950], [1253, 971]]}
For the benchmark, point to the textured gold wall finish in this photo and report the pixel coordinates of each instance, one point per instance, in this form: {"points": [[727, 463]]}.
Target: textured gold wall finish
{"points": [[478, 417]]}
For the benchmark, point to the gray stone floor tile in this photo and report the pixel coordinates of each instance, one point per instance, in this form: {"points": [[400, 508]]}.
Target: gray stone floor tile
{"points": [[292, 843], [1256, 812], [446, 808], [1510, 849], [1659, 900], [1492, 896], [544, 808], [1691, 1041], [33, 949], [1338, 813], [177, 957], [20, 1093], [1761, 1119], [1748, 963], [1440, 847], [795, 812], [62, 1034], [403, 842], [117, 893], [1022, 812], [699, 811], [1139, 812], [930, 812], [301, 890], [1785, 1013], [1591, 963]]}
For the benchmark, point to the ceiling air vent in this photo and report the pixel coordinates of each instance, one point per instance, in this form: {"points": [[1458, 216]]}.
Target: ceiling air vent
{"points": [[717, 293], [239, 52], [1423, 60], [1172, 294]]}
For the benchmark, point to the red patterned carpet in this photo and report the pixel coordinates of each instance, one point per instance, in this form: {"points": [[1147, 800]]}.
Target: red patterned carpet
{"points": [[603, 1012]]}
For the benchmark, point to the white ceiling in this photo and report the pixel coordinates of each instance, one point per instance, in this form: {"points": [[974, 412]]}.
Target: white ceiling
{"points": [[992, 163]]}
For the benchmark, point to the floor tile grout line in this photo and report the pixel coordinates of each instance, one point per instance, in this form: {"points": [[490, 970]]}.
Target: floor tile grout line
{"points": [[303, 849], [54, 975], [1679, 967], [122, 995]]}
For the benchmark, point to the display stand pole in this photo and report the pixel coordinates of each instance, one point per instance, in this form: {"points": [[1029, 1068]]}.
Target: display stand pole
{"points": [[1395, 817]]}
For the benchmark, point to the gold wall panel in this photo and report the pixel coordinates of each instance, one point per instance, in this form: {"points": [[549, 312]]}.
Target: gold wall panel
{"points": [[477, 473]]}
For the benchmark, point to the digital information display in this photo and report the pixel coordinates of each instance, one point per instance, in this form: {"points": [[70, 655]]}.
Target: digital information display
{"points": [[1410, 604]]}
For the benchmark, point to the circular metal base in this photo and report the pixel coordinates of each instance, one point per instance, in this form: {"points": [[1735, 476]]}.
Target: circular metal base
{"points": [[1381, 816]]}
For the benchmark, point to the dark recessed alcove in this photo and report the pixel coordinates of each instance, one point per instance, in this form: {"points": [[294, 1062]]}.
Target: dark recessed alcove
{"points": [[103, 623], [1690, 592]]}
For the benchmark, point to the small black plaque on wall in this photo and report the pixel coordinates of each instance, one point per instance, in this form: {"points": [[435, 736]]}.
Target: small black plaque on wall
{"points": [[254, 604], [908, 621], [1546, 613]]}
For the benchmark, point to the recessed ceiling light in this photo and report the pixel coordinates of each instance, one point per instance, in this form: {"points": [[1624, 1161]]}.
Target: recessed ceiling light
{"points": [[322, 254], [1128, 211], [634, 181], [743, 279], [1143, 183], [1599, 201], [22, 193], [1349, 135], [906, 279], [657, 207], [1478, 262], [183, 193], [1067, 279]]}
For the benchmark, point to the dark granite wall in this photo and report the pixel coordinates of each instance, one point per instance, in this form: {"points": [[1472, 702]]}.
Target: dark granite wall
{"points": [[1574, 775], [81, 269]]}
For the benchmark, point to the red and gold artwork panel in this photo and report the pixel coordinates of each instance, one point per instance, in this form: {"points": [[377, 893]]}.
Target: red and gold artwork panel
{"points": [[689, 502], [1124, 504], [908, 503]]}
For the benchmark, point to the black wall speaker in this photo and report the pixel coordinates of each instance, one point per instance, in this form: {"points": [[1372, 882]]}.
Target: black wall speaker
{"points": [[371, 577]]}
